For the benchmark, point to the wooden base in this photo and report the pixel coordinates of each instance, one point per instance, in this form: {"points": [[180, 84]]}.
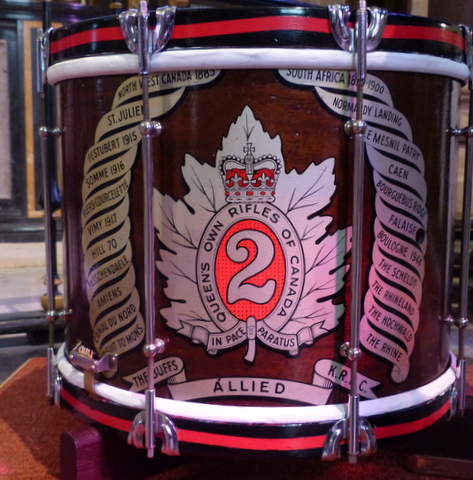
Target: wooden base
{"points": [[87, 454], [440, 466]]}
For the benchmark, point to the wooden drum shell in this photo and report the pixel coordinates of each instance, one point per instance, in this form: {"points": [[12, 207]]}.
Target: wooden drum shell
{"points": [[197, 136]]}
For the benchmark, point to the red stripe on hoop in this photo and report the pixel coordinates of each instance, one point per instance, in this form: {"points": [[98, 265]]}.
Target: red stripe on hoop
{"points": [[404, 32], [250, 443], [255, 25], [103, 418], [250, 25], [414, 426], [83, 38], [302, 443], [198, 30]]}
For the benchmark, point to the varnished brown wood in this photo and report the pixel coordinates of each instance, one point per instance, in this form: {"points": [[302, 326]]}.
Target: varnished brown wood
{"points": [[82, 455], [87, 454], [196, 127]]}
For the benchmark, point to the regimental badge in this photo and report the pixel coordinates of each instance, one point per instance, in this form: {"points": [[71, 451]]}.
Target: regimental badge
{"points": [[247, 256]]}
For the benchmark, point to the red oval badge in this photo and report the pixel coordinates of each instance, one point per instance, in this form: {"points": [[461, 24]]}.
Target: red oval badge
{"points": [[250, 270]]}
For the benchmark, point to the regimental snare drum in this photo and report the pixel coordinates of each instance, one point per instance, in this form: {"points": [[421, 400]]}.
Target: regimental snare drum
{"points": [[253, 227]]}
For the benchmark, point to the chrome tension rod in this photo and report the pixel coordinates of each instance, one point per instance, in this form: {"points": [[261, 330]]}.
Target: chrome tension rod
{"points": [[48, 133], [145, 41], [357, 128], [358, 41]]}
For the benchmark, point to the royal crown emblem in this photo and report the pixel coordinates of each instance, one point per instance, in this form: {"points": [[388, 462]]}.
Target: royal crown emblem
{"points": [[249, 179]]}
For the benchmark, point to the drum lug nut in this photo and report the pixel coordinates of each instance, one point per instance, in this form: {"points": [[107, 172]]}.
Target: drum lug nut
{"points": [[350, 353], [155, 348], [344, 349], [355, 127], [354, 354], [449, 320], [151, 129], [466, 132], [53, 315], [45, 132], [462, 322]]}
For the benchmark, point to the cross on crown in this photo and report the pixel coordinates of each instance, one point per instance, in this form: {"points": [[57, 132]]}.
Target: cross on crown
{"points": [[249, 179]]}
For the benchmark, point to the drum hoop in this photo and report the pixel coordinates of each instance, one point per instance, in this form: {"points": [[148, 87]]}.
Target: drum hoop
{"points": [[262, 27], [255, 58], [267, 415]]}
